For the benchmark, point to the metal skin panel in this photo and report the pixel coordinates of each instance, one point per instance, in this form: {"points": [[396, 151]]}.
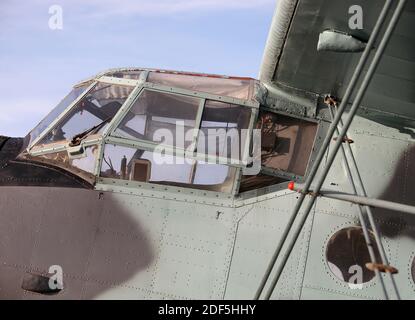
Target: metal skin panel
{"points": [[320, 281], [18, 224], [259, 229], [112, 245], [65, 231], [383, 156], [135, 255], [315, 294], [196, 243], [318, 276], [44, 227]]}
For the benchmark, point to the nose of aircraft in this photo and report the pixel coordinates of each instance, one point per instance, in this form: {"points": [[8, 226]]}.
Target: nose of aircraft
{"points": [[3, 140], [9, 148], [15, 171]]}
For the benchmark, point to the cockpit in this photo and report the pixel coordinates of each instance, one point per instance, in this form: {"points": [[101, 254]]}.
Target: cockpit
{"points": [[170, 128]]}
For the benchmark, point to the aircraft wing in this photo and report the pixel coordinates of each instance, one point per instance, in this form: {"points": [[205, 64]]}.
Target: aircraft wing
{"points": [[293, 65]]}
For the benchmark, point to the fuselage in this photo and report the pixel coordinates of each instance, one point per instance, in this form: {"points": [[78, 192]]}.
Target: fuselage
{"points": [[120, 225]]}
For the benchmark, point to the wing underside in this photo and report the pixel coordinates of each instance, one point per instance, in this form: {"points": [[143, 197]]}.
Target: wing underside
{"points": [[293, 65]]}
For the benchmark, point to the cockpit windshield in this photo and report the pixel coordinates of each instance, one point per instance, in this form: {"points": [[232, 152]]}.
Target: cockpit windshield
{"points": [[99, 105], [65, 103]]}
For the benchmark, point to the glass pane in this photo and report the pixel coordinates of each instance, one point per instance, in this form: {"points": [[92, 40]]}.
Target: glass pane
{"points": [[224, 130], [231, 87], [210, 174], [161, 117], [347, 255], [65, 103], [139, 165], [119, 163], [166, 168], [286, 142], [86, 164], [98, 107]]}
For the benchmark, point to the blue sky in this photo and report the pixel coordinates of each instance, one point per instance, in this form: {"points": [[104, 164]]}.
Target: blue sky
{"points": [[38, 65]]}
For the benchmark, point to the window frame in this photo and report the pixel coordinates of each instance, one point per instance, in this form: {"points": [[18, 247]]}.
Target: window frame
{"points": [[140, 85], [327, 247], [111, 137], [198, 121], [95, 82], [61, 116], [322, 128], [166, 186]]}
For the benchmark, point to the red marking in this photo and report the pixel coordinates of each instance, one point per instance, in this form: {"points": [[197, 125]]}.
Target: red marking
{"points": [[291, 186]]}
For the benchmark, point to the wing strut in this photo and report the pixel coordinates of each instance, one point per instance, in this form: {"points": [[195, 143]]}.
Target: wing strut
{"points": [[334, 126]]}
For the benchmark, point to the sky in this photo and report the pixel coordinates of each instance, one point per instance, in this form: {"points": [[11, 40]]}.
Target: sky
{"points": [[39, 65]]}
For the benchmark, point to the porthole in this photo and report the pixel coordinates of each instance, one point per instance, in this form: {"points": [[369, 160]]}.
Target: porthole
{"points": [[347, 255], [413, 269]]}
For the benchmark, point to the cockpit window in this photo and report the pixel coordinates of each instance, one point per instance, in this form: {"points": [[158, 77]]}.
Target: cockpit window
{"points": [[224, 130], [83, 165], [230, 87], [145, 166], [158, 117], [65, 103], [286, 142], [99, 106], [286, 148]]}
